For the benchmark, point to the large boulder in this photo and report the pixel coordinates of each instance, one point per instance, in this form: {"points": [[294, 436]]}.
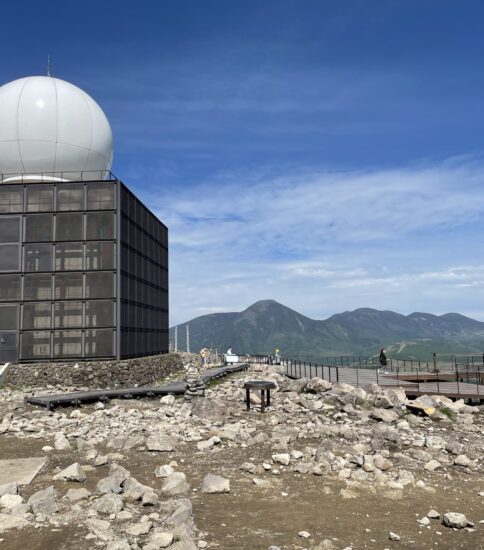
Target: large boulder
{"points": [[455, 520], [318, 385], [214, 410]]}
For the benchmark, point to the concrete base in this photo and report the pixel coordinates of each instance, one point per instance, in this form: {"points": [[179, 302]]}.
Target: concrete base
{"points": [[20, 470]]}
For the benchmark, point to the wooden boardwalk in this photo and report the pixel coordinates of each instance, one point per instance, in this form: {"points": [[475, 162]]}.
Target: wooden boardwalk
{"points": [[451, 384], [75, 399]]}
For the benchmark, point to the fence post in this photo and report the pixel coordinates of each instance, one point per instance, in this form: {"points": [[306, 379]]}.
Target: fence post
{"points": [[357, 378], [329, 369], [337, 374]]}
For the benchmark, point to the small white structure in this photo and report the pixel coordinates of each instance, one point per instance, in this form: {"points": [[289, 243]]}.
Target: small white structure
{"points": [[50, 126], [230, 357]]}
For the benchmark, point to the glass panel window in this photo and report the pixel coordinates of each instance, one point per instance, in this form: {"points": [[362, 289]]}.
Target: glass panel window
{"points": [[8, 317], [38, 287], [9, 257], [99, 343], [100, 313], [67, 343], [99, 284], [9, 287], [100, 225], [36, 315], [10, 199], [100, 196], [35, 345], [38, 227], [70, 197], [68, 285], [40, 198], [68, 227], [38, 257], [68, 256], [100, 255], [9, 230], [67, 314]]}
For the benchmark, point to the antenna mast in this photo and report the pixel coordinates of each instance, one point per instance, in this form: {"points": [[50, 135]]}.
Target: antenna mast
{"points": [[176, 339], [188, 338], [48, 65]]}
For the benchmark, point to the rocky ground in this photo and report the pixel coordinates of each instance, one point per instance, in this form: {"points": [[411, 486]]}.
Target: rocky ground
{"points": [[327, 467]]}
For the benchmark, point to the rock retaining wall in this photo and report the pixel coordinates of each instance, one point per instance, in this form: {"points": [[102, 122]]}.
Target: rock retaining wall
{"points": [[95, 374]]}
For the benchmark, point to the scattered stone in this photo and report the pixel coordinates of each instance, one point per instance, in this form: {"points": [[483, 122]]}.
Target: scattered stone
{"points": [[454, 520], [108, 504], [283, 458], [10, 501], [61, 443], [393, 536], [175, 484], [433, 465], [8, 522], [160, 443], [213, 484], [164, 471], [74, 472], [74, 495]]}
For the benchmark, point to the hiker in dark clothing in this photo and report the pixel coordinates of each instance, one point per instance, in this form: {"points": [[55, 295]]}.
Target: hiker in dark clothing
{"points": [[383, 358]]}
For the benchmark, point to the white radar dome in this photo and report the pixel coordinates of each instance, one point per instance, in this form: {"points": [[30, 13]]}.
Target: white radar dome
{"points": [[52, 130]]}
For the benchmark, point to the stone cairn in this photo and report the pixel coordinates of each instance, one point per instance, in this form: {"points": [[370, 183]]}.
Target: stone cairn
{"points": [[195, 386]]}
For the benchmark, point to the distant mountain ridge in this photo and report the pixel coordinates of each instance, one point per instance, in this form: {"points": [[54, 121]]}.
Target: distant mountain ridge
{"points": [[267, 325]]}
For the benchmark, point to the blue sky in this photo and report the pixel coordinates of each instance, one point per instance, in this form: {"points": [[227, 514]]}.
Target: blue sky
{"points": [[327, 154]]}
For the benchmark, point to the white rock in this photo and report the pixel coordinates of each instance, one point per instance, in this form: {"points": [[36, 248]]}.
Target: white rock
{"points": [[175, 484], [160, 443], [304, 534], [11, 522], [74, 472], [108, 504], [455, 520], [10, 501], [61, 443], [433, 465], [162, 540], [213, 484], [282, 458], [164, 471], [168, 400]]}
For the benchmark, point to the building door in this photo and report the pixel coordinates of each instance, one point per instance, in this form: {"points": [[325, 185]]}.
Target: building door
{"points": [[8, 347]]}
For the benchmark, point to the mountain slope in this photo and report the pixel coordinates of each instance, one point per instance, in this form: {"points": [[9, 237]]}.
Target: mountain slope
{"points": [[267, 325]]}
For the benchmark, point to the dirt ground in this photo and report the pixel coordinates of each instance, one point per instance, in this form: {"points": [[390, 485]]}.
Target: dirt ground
{"points": [[253, 518]]}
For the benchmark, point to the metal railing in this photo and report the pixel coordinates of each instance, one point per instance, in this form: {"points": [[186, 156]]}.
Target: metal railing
{"points": [[52, 177], [458, 380]]}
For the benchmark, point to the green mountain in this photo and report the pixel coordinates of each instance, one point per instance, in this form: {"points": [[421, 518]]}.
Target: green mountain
{"points": [[267, 325]]}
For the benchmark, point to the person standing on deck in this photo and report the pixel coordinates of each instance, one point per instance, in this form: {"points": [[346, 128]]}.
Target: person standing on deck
{"points": [[383, 359]]}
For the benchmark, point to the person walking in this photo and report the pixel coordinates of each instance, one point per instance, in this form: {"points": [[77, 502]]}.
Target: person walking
{"points": [[383, 359]]}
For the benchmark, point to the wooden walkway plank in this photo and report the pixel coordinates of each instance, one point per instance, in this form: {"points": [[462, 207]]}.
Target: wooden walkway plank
{"points": [[176, 388]]}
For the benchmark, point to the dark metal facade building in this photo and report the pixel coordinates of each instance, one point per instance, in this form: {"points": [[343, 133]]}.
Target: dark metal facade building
{"points": [[83, 273]]}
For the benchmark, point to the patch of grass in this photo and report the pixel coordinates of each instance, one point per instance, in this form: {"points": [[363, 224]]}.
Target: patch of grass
{"points": [[448, 413]]}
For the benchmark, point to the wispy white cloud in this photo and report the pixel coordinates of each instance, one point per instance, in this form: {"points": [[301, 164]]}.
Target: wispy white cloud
{"points": [[323, 242]]}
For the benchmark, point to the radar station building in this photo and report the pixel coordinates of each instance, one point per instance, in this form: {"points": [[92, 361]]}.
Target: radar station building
{"points": [[83, 262]]}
